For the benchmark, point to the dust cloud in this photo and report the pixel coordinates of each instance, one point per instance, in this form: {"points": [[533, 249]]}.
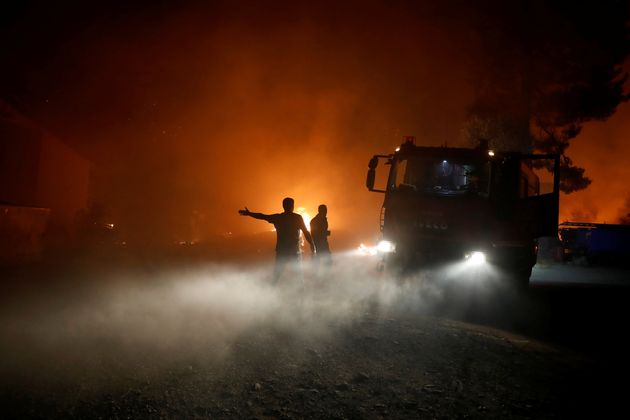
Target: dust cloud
{"points": [[97, 332]]}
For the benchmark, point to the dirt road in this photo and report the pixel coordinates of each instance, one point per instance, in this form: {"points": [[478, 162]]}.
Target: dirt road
{"points": [[220, 342]]}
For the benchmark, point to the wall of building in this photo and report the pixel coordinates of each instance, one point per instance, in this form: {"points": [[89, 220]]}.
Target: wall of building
{"points": [[19, 161], [63, 180], [44, 184], [22, 231]]}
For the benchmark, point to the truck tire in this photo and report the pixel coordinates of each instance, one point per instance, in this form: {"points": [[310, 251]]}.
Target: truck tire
{"points": [[520, 277]]}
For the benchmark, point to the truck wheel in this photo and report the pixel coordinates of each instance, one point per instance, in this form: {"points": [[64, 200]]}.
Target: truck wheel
{"points": [[521, 276]]}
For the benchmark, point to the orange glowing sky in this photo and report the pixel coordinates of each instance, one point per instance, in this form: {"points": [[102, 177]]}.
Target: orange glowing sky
{"points": [[214, 108], [603, 149]]}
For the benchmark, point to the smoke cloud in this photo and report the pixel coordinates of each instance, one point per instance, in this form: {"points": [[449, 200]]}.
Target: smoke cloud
{"points": [[210, 108], [600, 148], [193, 110], [100, 332]]}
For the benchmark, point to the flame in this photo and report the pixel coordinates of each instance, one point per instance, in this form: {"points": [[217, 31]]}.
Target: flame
{"points": [[307, 217]]}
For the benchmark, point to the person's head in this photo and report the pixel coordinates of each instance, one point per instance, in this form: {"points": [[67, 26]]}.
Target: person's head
{"points": [[288, 204], [322, 209]]}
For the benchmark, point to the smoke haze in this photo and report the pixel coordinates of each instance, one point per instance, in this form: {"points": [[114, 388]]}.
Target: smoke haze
{"points": [[601, 148], [212, 108], [194, 110], [102, 329]]}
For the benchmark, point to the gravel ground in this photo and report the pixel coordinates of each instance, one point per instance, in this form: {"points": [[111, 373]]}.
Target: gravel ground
{"points": [[221, 345]]}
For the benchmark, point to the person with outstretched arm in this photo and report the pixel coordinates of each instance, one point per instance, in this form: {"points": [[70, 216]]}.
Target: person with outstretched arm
{"points": [[288, 226]]}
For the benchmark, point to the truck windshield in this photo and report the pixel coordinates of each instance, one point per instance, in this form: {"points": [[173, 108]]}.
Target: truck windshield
{"points": [[440, 176]]}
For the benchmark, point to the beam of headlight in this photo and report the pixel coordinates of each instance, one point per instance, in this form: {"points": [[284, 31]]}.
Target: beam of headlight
{"points": [[474, 268], [476, 258], [366, 250]]}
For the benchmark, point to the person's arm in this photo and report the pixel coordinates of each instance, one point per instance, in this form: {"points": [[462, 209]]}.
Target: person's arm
{"points": [[259, 216], [307, 234]]}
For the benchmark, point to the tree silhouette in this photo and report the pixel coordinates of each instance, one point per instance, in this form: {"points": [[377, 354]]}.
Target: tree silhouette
{"points": [[546, 68], [624, 218]]}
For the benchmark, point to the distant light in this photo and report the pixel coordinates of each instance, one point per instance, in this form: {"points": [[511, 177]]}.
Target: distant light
{"points": [[398, 149], [386, 246], [476, 257], [109, 225], [444, 161], [490, 152]]}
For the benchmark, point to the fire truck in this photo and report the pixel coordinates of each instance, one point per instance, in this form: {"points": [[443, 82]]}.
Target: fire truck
{"points": [[474, 205]]}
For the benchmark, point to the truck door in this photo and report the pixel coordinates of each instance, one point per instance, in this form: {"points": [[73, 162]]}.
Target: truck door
{"points": [[537, 203]]}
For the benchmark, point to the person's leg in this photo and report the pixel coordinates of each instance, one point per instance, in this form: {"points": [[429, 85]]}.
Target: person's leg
{"points": [[298, 275], [279, 268], [294, 265], [328, 259], [299, 270], [325, 264], [325, 259], [315, 261]]}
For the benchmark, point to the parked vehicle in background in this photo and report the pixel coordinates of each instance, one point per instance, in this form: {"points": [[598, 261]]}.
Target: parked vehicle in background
{"points": [[595, 243]]}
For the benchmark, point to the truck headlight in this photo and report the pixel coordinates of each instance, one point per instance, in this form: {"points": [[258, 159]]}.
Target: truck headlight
{"points": [[386, 246], [476, 257]]}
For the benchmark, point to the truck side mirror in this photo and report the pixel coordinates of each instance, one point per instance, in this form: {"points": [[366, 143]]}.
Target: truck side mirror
{"points": [[369, 181], [371, 175]]}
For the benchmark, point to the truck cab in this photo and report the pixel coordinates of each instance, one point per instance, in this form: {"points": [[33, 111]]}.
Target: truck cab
{"points": [[446, 204]]}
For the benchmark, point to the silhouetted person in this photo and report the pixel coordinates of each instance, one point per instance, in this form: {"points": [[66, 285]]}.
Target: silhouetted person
{"points": [[320, 234], [288, 226]]}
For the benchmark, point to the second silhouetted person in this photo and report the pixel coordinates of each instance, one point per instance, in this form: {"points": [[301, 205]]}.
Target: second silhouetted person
{"points": [[320, 233]]}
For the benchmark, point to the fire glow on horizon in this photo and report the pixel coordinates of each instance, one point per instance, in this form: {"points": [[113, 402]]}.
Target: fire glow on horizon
{"points": [[236, 118], [307, 217]]}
